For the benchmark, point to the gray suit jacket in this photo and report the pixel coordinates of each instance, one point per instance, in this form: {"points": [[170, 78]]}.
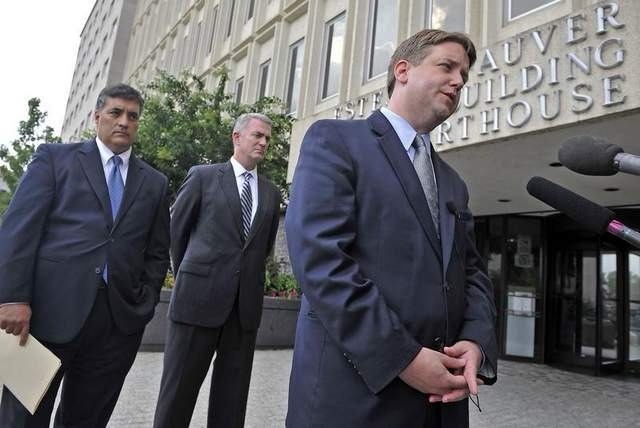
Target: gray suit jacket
{"points": [[212, 264]]}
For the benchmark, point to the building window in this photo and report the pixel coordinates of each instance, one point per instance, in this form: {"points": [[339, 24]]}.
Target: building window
{"points": [[194, 55], [233, 6], [382, 41], [446, 14], [516, 9], [296, 58], [264, 79], [213, 28], [238, 90], [250, 6], [334, 48]]}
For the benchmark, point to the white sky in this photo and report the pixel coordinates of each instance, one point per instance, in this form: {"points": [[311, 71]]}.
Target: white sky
{"points": [[39, 42]]}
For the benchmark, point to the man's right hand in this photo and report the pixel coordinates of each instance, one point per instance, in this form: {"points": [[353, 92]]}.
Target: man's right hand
{"points": [[430, 373], [15, 319]]}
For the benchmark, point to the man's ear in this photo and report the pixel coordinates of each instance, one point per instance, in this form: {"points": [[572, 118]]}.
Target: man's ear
{"points": [[401, 70]]}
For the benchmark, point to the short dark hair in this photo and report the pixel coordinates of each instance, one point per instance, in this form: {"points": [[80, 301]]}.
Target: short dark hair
{"points": [[119, 90], [416, 48]]}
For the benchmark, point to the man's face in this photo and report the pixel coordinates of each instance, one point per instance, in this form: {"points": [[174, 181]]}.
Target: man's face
{"points": [[250, 144], [434, 85], [117, 123]]}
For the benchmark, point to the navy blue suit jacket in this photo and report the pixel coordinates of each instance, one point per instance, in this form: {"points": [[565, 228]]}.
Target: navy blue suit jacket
{"points": [[378, 284], [58, 232]]}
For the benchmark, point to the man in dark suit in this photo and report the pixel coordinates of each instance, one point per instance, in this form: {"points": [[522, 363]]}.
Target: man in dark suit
{"points": [[84, 249], [223, 226], [397, 312]]}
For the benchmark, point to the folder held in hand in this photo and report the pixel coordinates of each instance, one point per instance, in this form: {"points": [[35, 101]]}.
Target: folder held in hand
{"points": [[26, 370]]}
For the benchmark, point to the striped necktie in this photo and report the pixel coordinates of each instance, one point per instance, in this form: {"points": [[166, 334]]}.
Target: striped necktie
{"points": [[424, 168], [246, 202]]}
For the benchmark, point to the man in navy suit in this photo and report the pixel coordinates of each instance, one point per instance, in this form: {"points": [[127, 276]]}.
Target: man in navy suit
{"points": [[84, 249], [397, 317]]}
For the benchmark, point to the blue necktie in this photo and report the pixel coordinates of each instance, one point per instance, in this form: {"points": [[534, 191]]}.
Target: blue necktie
{"points": [[116, 189], [246, 203], [115, 185]]}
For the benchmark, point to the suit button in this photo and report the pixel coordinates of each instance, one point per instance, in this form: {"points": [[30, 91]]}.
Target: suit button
{"points": [[98, 270], [112, 240], [237, 272], [447, 287]]}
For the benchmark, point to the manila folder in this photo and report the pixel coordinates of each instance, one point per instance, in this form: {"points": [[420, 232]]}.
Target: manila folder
{"points": [[26, 370]]}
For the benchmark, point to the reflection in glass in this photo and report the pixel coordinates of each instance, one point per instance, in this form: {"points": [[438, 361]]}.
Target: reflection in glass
{"points": [[608, 286], [589, 270], [383, 36], [517, 8], [634, 306], [296, 57], [448, 15], [334, 43]]}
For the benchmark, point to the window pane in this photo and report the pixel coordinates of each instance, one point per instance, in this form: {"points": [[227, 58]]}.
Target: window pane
{"points": [[233, 5], [264, 79], [383, 36], [250, 6], [634, 306], [448, 15], [515, 8], [238, 92], [333, 60], [296, 56]]}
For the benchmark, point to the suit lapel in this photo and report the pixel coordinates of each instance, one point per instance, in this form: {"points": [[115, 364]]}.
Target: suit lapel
{"points": [[229, 186], [447, 218], [406, 174], [264, 201], [135, 178], [91, 164]]}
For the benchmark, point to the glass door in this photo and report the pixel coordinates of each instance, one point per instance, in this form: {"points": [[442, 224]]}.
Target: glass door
{"points": [[633, 291]]}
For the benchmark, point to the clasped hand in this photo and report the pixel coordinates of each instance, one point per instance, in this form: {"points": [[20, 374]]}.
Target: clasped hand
{"points": [[448, 376]]}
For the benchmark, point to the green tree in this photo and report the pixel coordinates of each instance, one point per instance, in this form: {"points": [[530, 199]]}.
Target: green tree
{"points": [[15, 157], [184, 125]]}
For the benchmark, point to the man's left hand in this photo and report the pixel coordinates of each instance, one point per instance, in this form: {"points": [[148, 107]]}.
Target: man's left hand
{"points": [[471, 354]]}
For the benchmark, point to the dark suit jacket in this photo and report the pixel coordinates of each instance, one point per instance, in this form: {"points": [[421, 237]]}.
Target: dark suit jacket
{"points": [[377, 283], [213, 265], [58, 232]]}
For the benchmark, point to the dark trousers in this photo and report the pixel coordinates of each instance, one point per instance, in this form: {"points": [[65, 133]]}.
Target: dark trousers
{"points": [[94, 365], [187, 356]]}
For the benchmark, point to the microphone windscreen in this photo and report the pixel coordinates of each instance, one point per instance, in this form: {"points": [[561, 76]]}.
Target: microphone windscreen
{"points": [[588, 155], [588, 214]]}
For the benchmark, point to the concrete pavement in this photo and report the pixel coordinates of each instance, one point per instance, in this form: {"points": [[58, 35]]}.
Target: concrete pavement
{"points": [[526, 395]]}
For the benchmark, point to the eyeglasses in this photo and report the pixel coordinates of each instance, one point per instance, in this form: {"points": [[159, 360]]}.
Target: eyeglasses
{"points": [[475, 402]]}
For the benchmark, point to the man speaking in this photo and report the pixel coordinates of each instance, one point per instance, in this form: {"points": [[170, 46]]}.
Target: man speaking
{"points": [[397, 316]]}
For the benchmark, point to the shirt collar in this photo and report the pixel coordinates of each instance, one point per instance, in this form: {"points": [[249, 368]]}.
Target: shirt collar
{"points": [[238, 169], [403, 129], [106, 154]]}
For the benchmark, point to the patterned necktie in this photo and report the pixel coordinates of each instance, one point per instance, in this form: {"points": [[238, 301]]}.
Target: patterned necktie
{"points": [[424, 169], [115, 185], [116, 189], [246, 202]]}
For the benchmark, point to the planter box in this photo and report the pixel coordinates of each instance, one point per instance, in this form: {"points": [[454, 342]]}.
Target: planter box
{"points": [[277, 328], [278, 325], [156, 331]]}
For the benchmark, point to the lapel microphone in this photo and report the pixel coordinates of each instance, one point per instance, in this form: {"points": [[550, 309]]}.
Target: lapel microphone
{"points": [[451, 206]]}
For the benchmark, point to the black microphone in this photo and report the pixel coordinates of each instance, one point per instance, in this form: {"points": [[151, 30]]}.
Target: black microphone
{"points": [[588, 214], [594, 156]]}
